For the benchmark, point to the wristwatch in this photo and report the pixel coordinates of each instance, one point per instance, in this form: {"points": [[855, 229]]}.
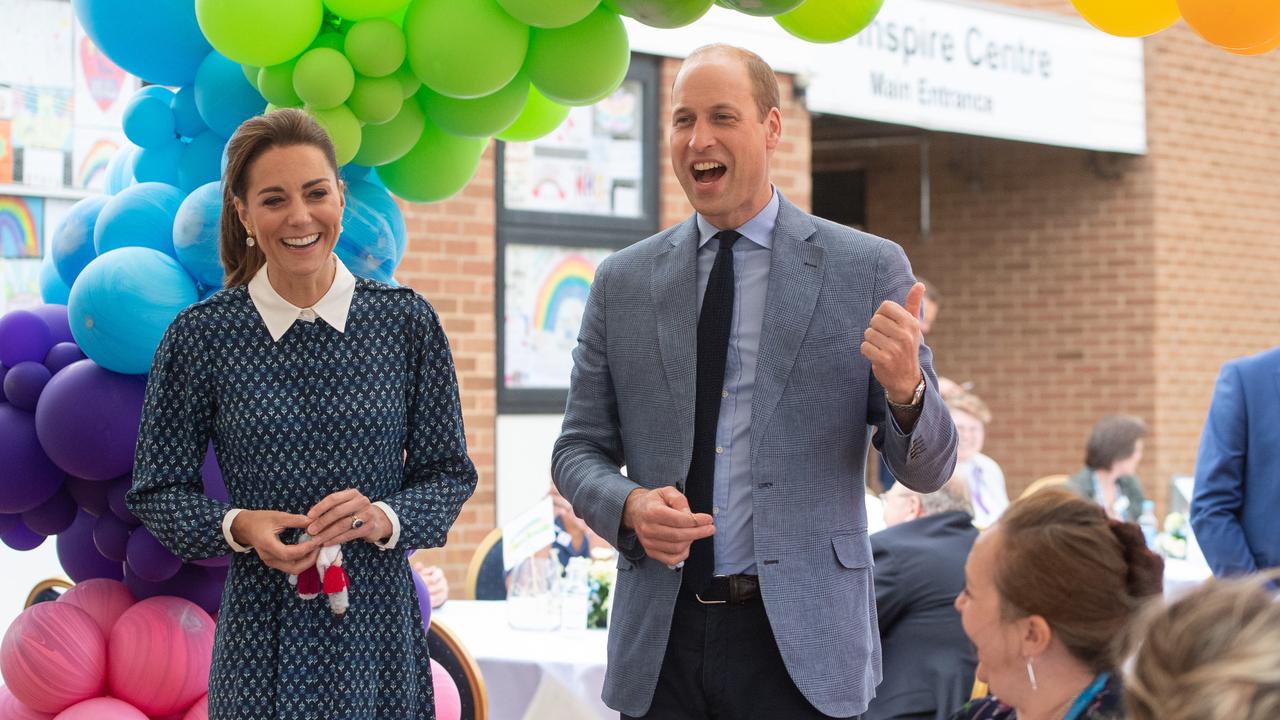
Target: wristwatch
{"points": [[917, 399]]}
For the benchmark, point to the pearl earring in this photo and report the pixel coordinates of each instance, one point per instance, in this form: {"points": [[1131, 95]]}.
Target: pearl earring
{"points": [[248, 240]]}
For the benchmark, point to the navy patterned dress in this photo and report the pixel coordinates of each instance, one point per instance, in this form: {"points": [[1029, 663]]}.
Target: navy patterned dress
{"points": [[375, 408]]}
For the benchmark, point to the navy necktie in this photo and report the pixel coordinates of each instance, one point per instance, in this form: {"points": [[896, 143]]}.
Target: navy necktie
{"points": [[713, 347]]}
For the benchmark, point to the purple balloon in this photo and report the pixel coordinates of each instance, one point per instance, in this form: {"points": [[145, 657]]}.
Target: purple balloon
{"points": [[23, 336], [115, 498], [111, 537], [23, 384], [4, 372], [21, 538], [27, 477], [202, 586], [88, 420], [424, 599], [214, 487], [147, 557], [7, 521], [62, 355], [53, 515], [80, 557], [55, 317], [90, 494]]}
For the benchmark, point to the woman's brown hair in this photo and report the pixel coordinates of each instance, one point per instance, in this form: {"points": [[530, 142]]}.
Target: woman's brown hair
{"points": [[1061, 558], [256, 135]]}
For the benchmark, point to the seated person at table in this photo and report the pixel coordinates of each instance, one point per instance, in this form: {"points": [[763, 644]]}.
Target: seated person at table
{"points": [[1212, 655], [1111, 458], [984, 477], [1048, 589], [436, 582], [573, 537], [919, 570]]}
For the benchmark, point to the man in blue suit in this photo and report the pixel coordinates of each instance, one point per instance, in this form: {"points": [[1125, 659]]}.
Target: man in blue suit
{"points": [[1237, 494], [733, 364]]}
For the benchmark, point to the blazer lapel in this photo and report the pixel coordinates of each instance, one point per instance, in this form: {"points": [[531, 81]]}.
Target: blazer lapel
{"points": [[795, 278], [675, 301]]}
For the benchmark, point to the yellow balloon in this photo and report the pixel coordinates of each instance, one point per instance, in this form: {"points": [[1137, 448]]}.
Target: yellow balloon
{"points": [[1129, 18]]}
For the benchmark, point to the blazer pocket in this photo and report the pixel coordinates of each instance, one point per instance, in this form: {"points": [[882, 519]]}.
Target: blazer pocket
{"points": [[853, 551]]}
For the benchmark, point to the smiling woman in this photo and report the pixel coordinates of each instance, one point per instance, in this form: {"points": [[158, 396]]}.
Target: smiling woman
{"points": [[332, 405]]}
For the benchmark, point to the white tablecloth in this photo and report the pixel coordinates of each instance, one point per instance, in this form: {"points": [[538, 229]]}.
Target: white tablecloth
{"points": [[531, 675], [1183, 575]]}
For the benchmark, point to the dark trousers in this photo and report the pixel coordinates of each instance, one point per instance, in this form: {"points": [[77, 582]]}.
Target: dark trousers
{"points": [[722, 663]]}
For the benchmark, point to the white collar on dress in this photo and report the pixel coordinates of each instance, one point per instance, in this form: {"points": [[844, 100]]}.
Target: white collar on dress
{"points": [[279, 314]]}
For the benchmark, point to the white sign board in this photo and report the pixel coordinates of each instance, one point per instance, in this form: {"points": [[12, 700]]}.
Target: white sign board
{"points": [[531, 531], [958, 67]]}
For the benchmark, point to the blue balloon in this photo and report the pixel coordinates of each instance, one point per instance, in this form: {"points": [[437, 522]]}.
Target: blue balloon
{"points": [[380, 198], [73, 240], [367, 245], [195, 235], [159, 163], [352, 172], [186, 118], [120, 169], [148, 119], [53, 290], [142, 216], [123, 302], [200, 161], [224, 96], [157, 40]]}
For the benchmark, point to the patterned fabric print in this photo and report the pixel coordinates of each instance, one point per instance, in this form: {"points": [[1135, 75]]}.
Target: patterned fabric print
{"points": [[319, 411], [1106, 705]]}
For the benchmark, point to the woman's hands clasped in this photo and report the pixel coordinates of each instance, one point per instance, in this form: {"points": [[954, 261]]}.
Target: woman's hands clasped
{"points": [[332, 521], [261, 529], [344, 516]]}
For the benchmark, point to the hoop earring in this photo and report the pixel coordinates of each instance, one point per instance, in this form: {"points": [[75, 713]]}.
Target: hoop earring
{"points": [[1031, 675], [248, 240]]}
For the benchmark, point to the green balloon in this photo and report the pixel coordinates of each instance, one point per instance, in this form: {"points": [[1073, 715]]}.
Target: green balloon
{"points": [[391, 140], [664, 14], [829, 21], [409, 83], [375, 47], [464, 49], [760, 8], [479, 117], [539, 117], [376, 100], [361, 9], [549, 13], [580, 64], [276, 85], [323, 78], [438, 166], [259, 32], [343, 129], [251, 74]]}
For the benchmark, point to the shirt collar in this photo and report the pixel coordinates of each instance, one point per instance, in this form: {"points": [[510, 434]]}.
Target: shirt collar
{"points": [[279, 314], [758, 229]]}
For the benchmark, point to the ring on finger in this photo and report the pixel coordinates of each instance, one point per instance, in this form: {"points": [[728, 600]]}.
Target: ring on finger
{"points": [[356, 522]]}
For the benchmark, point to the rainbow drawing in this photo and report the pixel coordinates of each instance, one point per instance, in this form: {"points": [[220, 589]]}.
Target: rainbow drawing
{"points": [[570, 279], [20, 221], [93, 167]]}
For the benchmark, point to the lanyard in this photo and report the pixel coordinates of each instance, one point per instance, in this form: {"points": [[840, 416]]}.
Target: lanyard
{"points": [[1086, 697]]}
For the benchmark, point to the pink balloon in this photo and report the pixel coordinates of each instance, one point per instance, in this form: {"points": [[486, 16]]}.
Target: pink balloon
{"points": [[159, 654], [103, 708], [54, 656], [199, 711], [448, 702], [105, 601], [12, 709]]}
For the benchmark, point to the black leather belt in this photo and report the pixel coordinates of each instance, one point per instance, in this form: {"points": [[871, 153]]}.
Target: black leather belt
{"points": [[730, 590]]}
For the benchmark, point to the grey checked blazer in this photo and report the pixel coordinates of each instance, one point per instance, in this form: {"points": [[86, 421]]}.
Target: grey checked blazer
{"points": [[631, 403]]}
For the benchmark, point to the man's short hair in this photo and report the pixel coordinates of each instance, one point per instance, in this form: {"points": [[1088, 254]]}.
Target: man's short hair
{"points": [[764, 82], [1114, 437], [953, 496]]}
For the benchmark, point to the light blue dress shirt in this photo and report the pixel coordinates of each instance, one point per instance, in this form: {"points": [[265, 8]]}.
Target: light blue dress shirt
{"points": [[731, 498]]}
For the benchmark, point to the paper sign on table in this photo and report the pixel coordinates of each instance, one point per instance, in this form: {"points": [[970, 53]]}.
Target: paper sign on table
{"points": [[531, 531]]}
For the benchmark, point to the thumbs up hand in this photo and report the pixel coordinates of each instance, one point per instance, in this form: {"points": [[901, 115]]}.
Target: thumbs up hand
{"points": [[892, 344]]}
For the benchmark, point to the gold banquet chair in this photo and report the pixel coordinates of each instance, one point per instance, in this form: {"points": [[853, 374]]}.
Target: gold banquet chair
{"points": [[47, 590], [446, 649], [1047, 481], [486, 576]]}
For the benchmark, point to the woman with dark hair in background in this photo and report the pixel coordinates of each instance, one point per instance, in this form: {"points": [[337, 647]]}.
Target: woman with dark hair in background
{"points": [[332, 404], [1110, 473], [1048, 589]]}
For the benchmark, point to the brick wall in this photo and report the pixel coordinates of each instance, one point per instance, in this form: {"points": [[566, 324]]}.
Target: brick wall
{"points": [[452, 259], [1078, 284]]}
